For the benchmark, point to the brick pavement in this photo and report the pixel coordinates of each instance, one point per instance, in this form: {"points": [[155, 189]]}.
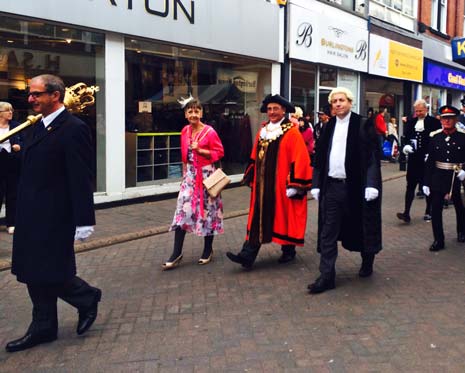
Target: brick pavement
{"points": [[407, 317]]}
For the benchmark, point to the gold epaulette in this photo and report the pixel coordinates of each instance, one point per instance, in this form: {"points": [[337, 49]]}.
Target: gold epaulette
{"points": [[434, 133]]}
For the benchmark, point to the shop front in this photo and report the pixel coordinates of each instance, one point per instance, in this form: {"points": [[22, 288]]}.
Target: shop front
{"points": [[393, 68], [143, 57], [327, 48]]}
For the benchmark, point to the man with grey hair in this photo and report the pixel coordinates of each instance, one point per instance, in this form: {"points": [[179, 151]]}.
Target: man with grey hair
{"points": [[416, 133], [347, 186]]}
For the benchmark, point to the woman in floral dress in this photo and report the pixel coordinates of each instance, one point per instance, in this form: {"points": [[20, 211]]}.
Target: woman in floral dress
{"points": [[196, 211]]}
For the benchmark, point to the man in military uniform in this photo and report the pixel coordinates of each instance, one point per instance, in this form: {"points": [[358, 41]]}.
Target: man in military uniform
{"points": [[443, 173], [416, 134]]}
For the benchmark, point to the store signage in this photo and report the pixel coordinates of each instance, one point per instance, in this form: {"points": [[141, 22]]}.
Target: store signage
{"points": [[317, 37], [458, 49], [443, 76], [177, 6], [395, 60], [244, 81], [220, 25]]}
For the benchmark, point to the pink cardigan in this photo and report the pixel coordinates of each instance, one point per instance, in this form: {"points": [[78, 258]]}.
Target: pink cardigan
{"points": [[207, 139]]}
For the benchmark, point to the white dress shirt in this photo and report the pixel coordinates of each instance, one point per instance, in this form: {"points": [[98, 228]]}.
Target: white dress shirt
{"points": [[50, 118], [6, 144], [337, 157]]}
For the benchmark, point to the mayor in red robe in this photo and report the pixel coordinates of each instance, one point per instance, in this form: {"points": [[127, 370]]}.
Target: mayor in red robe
{"points": [[279, 175]]}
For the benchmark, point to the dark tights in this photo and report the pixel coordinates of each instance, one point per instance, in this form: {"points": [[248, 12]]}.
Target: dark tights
{"points": [[179, 235]]}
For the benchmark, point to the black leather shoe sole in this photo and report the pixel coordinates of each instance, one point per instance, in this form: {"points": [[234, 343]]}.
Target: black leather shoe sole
{"points": [[403, 217], [320, 286], [437, 246]]}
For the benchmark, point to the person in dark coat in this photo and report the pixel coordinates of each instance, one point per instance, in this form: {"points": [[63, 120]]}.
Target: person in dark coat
{"points": [[10, 156], [416, 132], [347, 186], [55, 207], [444, 173]]}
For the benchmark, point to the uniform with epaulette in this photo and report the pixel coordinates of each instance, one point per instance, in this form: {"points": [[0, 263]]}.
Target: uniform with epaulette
{"points": [[443, 173]]}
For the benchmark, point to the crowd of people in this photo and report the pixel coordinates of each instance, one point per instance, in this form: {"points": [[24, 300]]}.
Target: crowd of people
{"points": [[338, 160]]}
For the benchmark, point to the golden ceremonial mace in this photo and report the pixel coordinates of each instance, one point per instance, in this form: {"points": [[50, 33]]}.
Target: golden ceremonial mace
{"points": [[77, 98]]}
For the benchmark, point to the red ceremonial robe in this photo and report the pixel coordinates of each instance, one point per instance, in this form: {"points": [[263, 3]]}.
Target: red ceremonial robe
{"points": [[285, 163]]}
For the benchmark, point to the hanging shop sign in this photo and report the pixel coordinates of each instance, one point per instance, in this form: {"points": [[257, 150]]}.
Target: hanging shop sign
{"points": [[458, 50], [443, 76], [395, 60], [317, 37]]}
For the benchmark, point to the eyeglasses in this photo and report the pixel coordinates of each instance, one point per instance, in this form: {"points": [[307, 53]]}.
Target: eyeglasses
{"points": [[7, 111], [37, 93]]}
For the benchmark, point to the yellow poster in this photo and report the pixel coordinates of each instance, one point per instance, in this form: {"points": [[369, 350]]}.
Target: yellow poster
{"points": [[405, 62]]}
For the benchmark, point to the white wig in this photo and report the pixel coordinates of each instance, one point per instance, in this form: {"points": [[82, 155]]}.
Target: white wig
{"points": [[342, 90]]}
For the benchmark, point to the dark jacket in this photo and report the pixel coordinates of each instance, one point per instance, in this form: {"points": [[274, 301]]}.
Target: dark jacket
{"points": [[361, 228], [54, 196], [422, 138]]}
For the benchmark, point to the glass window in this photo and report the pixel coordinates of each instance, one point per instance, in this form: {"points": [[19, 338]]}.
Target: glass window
{"points": [[230, 88], [31, 48], [303, 87], [439, 15], [397, 12]]}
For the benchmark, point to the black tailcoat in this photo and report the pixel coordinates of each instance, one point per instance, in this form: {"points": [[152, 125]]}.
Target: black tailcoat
{"points": [[361, 229], [54, 196]]}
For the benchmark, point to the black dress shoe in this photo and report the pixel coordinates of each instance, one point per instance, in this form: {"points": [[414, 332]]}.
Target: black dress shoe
{"points": [[88, 316], [286, 258], [427, 217], [238, 259], [366, 270], [461, 237], [321, 284], [28, 341], [404, 217], [437, 246]]}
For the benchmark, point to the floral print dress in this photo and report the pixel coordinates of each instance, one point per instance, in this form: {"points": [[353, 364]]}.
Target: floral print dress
{"points": [[188, 213]]}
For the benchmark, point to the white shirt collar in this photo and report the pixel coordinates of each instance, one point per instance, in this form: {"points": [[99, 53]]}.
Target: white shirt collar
{"points": [[51, 117]]}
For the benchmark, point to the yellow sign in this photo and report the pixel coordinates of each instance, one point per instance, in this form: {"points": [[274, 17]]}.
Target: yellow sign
{"points": [[405, 62]]}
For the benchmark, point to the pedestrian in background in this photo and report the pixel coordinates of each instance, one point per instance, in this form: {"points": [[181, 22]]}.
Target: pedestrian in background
{"points": [[417, 136], [10, 162], [444, 173], [347, 186], [279, 176], [55, 207], [196, 211]]}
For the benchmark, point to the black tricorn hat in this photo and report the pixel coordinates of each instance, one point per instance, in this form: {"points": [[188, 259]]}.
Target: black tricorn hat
{"points": [[277, 99], [325, 110], [448, 111]]}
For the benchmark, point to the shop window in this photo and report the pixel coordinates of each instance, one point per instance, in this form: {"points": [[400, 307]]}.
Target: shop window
{"points": [[31, 48], [157, 75], [303, 78]]}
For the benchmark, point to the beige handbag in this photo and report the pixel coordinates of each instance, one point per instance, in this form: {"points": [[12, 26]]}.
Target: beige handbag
{"points": [[216, 182]]}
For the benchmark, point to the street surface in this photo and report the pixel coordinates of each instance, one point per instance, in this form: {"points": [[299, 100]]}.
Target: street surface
{"points": [[409, 316]]}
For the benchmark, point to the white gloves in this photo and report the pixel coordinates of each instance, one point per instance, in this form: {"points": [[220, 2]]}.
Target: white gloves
{"points": [[407, 149], [371, 194], [461, 175], [83, 232], [426, 190], [315, 192], [291, 192]]}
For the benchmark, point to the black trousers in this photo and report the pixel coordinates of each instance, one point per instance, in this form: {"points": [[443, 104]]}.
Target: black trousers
{"points": [[9, 175], [75, 292], [249, 252], [335, 205], [415, 175], [437, 207]]}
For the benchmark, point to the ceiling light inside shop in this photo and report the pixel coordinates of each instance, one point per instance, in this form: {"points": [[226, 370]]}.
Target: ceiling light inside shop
{"points": [[68, 41], [10, 41]]}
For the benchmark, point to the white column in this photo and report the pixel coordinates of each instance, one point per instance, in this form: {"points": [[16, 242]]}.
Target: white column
{"points": [[275, 78], [115, 114]]}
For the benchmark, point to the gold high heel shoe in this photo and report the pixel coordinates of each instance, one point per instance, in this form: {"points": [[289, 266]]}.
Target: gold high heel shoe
{"points": [[206, 261], [173, 264]]}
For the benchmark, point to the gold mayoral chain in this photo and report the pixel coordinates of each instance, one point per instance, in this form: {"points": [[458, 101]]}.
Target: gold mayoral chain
{"points": [[263, 143]]}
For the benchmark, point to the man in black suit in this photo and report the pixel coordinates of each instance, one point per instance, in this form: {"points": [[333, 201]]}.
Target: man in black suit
{"points": [[55, 207], [416, 132], [444, 173], [347, 185]]}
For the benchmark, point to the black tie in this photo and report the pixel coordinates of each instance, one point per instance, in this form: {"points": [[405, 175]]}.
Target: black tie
{"points": [[39, 129]]}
